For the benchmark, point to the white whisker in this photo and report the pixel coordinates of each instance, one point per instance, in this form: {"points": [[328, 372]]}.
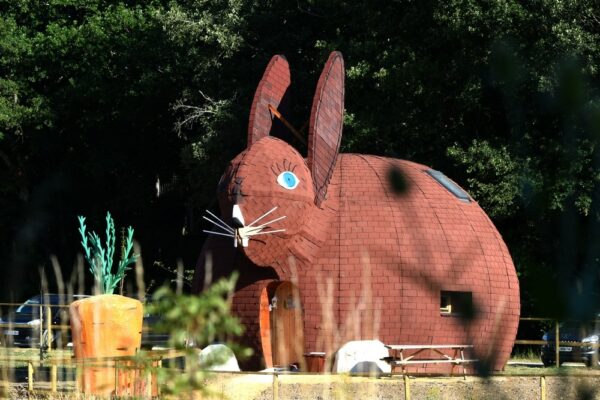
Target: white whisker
{"points": [[262, 216], [220, 220], [248, 231], [225, 228], [217, 233], [270, 222], [264, 233]]}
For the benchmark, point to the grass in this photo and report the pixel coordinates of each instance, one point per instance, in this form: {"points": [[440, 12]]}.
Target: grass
{"points": [[18, 357], [527, 354], [564, 370]]}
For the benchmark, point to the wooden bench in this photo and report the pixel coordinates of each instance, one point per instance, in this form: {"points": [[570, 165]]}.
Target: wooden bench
{"points": [[457, 357]]}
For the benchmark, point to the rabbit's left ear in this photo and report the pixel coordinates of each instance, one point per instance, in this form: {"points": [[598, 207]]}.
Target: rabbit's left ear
{"points": [[325, 127], [271, 91]]}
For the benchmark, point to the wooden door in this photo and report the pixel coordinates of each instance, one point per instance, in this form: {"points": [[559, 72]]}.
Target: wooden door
{"points": [[287, 338]]}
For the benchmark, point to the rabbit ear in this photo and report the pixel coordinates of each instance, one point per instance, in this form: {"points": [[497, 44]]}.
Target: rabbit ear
{"points": [[326, 120], [270, 91]]}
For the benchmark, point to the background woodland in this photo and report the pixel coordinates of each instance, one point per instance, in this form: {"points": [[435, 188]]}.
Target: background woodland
{"points": [[136, 107]]}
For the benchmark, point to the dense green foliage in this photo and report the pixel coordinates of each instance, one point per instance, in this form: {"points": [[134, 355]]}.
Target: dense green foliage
{"points": [[502, 96]]}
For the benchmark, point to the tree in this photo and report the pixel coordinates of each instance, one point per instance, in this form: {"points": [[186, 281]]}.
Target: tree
{"points": [[86, 96], [101, 101]]}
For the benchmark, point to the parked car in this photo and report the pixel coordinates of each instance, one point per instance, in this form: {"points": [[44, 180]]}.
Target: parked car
{"points": [[27, 327], [579, 344], [151, 336]]}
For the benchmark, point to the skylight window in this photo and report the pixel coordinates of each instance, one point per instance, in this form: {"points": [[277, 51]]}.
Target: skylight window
{"points": [[449, 185]]}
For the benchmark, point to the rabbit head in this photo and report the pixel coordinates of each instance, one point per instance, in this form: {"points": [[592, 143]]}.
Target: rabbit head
{"points": [[269, 174], [270, 196]]}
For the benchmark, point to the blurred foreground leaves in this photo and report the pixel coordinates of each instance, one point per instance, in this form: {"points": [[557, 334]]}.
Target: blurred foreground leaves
{"points": [[195, 321]]}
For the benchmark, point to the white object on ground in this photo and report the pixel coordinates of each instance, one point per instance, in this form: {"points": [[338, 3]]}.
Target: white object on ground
{"points": [[362, 356], [218, 357]]}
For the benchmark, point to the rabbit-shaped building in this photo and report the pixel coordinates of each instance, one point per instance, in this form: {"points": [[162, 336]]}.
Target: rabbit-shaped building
{"points": [[328, 252]]}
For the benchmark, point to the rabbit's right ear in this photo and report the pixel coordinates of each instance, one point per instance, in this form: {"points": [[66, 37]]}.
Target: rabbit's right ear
{"points": [[270, 92], [325, 127]]}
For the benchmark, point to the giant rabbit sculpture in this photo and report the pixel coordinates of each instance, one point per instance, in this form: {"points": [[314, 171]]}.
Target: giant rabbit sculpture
{"points": [[328, 252]]}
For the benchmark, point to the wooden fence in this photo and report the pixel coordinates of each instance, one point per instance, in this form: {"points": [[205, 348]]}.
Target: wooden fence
{"points": [[45, 332], [47, 328], [146, 364]]}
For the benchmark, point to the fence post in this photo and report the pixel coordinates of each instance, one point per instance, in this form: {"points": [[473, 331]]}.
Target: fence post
{"points": [[275, 387], [160, 364], [543, 387], [48, 328], [406, 387], [116, 366], [53, 378], [557, 344], [30, 376], [79, 385], [41, 327], [148, 383], [5, 381]]}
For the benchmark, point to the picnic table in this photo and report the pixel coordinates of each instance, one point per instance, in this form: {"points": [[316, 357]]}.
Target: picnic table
{"points": [[442, 354]]}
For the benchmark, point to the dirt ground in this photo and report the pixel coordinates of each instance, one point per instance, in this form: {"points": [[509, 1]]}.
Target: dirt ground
{"points": [[324, 387]]}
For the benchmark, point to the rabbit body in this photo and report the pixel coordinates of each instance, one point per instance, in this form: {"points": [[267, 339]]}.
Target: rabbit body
{"points": [[365, 261]]}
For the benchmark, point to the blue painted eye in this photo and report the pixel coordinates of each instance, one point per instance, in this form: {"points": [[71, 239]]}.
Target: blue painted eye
{"points": [[288, 180]]}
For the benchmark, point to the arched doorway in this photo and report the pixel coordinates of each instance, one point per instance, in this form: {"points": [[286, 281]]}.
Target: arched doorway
{"points": [[284, 331]]}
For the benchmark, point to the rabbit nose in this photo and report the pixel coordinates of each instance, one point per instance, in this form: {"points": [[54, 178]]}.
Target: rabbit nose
{"points": [[237, 217]]}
